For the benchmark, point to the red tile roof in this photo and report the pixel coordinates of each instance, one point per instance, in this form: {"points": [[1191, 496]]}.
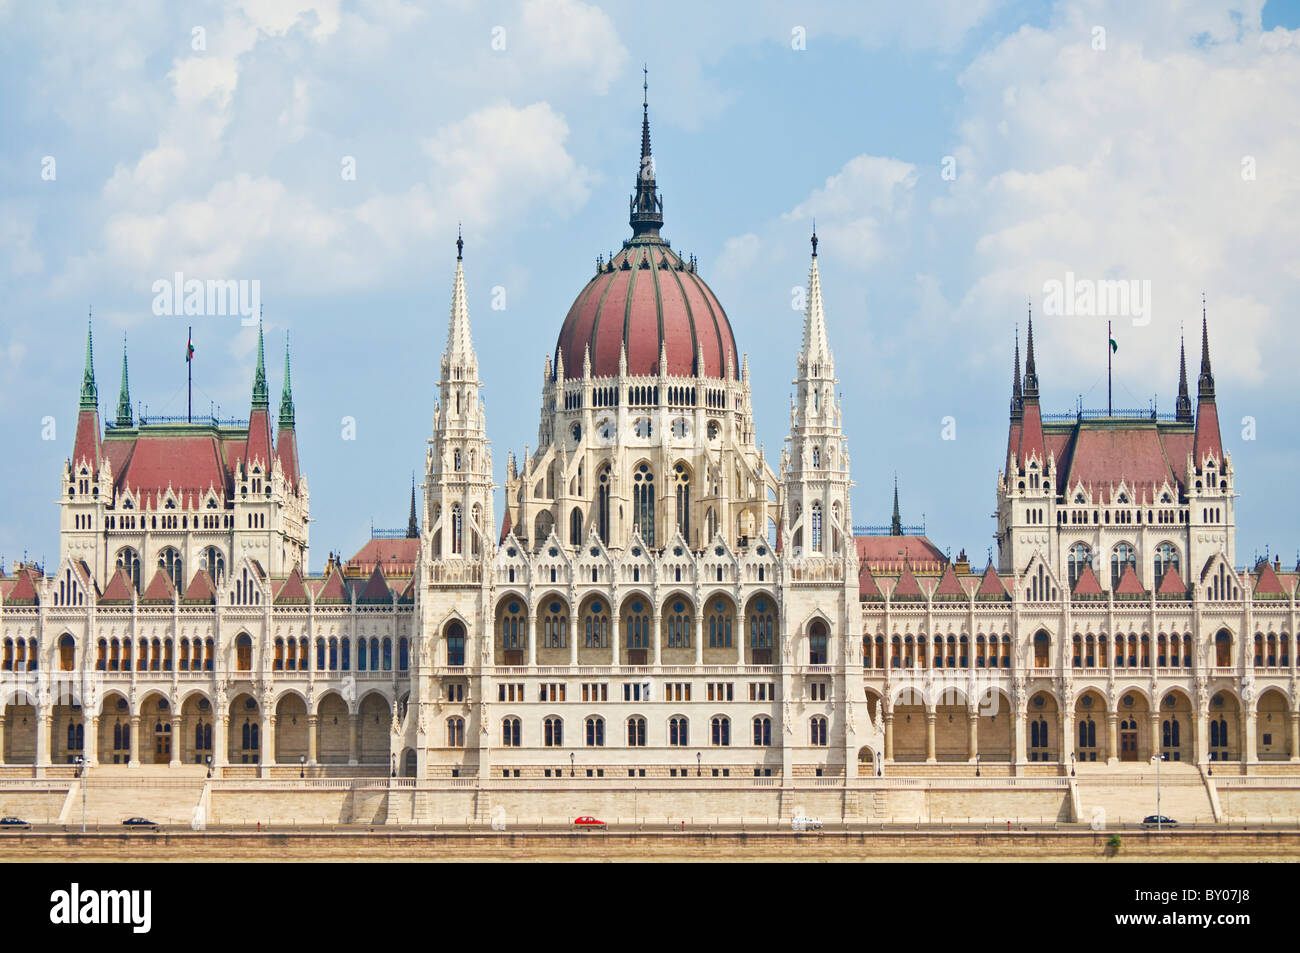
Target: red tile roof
{"points": [[1129, 584], [376, 588], [292, 592], [201, 589], [119, 588], [1207, 432], [1267, 583], [991, 585], [868, 588], [1087, 584], [286, 449], [1171, 584], [25, 590], [148, 464], [505, 526], [333, 590], [949, 585], [1101, 456], [160, 589], [86, 444], [907, 587], [397, 556], [888, 553]]}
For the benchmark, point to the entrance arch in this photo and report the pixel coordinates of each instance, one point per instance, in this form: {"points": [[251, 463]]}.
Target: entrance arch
{"points": [[245, 735], [290, 729]]}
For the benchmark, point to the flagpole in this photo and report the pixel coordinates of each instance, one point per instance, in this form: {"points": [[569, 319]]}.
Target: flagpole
{"points": [[189, 383], [1109, 351]]}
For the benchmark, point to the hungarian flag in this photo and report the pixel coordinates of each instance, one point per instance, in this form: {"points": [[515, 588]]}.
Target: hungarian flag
{"points": [[1113, 346], [189, 348]]}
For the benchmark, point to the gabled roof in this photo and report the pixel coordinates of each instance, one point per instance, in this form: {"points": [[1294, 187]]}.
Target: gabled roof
{"points": [[907, 587], [1129, 584], [889, 552], [119, 589], [376, 588], [1087, 584], [160, 588], [868, 588], [292, 591], [1171, 584], [991, 585], [950, 586], [333, 590], [397, 556], [201, 589], [408, 592], [505, 526], [1267, 582], [25, 590]]}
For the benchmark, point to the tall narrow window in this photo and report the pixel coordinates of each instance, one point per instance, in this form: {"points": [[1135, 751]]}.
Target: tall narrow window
{"points": [[643, 503], [456, 525], [817, 527], [602, 505], [682, 481]]}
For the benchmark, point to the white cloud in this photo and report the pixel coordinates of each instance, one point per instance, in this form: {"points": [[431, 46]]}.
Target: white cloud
{"points": [[858, 205], [566, 36]]}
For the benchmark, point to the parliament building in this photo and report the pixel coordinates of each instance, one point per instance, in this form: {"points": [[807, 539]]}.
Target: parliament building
{"points": [[656, 600]]}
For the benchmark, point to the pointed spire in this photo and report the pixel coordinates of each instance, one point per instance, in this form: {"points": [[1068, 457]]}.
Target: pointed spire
{"points": [[460, 348], [646, 206], [286, 394], [260, 396], [1183, 406], [896, 521], [1017, 396], [89, 392], [124, 418], [1031, 373], [412, 526], [816, 351], [1205, 384]]}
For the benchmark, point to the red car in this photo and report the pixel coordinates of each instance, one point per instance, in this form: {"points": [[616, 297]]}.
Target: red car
{"points": [[588, 823]]}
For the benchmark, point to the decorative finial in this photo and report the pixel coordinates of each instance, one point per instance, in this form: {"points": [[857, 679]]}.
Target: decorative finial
{"points": [[460, 243], [814, 237], [645, 86]]}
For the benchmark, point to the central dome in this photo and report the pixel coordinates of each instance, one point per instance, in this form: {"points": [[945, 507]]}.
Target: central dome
{"points": [[646, 299]]}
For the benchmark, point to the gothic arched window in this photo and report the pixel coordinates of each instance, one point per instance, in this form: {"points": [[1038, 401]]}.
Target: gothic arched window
{"points": [[643, 503]]}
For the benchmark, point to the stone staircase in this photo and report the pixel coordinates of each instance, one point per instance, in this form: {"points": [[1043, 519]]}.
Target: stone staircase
{"points": [[1124, 794], [114, 795]]}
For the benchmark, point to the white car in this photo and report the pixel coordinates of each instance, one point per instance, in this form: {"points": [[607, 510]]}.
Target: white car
{"points": [[801, 823]]}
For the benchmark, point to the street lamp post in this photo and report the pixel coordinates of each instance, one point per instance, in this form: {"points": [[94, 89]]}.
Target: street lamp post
{"points": [[209, 760], [302, 766], [392, 759], [977, 765], [699, 757], [1160, 756], [570, 764], [81, 775], [1072, 760], [880, 765]]}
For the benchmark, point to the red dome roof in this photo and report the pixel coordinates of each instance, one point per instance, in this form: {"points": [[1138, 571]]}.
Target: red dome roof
{"points": [[645, 297]]}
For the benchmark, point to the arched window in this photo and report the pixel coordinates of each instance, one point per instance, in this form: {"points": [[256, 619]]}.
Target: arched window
{"points": [[169, 561], [719, 620], [575, 527], [682, 492], [214, 561], [636, 732], [555, 626], [514, 627], [595, 732], [1121, 556], [720, 730], [1223, 649], [602, 505], [403, 654], [1042, 642], [761, 630], [67, 653], [817, 643], [817, 731], [455, 732], [1166, 559], [678, 732], [129, 560], [816, 526], [596, 625], [457, 526], [553, 732], [643, 503], [677, 626], [636, 625], [510, 733], [762, 731], [455, 646], [1078, 556], [244, 653]]}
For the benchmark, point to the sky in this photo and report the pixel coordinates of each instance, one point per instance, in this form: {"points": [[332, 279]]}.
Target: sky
{"points": [[959, 157]]}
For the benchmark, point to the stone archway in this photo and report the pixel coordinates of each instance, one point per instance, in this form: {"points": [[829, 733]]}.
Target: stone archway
{"points": [[374, 718], [244, 736], [290, 729], [1273, 727]]}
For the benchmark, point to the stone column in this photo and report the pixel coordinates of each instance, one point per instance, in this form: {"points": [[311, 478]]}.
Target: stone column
{"points": [[1018, 716], [220, 736], [44, 726], [1156, 738], [1250, 739], [930, 717], [738, 632], [699, 638], [134, 760], [176, 741], [615, 649], [1112, 737], [354, 723], [1201, 736], [573, 639], [2, 736], [532, 639], [312, 722], [889, 735], [91, 751], [657, 636], [266, 756], [1067, 737], [972, 737], [1292, 720]]}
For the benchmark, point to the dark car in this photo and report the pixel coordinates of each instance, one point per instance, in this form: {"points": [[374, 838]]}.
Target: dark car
{"points": [[14, 824], [1158, 820], [141, 824]]}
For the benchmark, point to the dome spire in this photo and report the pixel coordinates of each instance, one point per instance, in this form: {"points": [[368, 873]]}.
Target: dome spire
{"points": [[1183, 407], [646, 206], [124, 418], [89, 392]]}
